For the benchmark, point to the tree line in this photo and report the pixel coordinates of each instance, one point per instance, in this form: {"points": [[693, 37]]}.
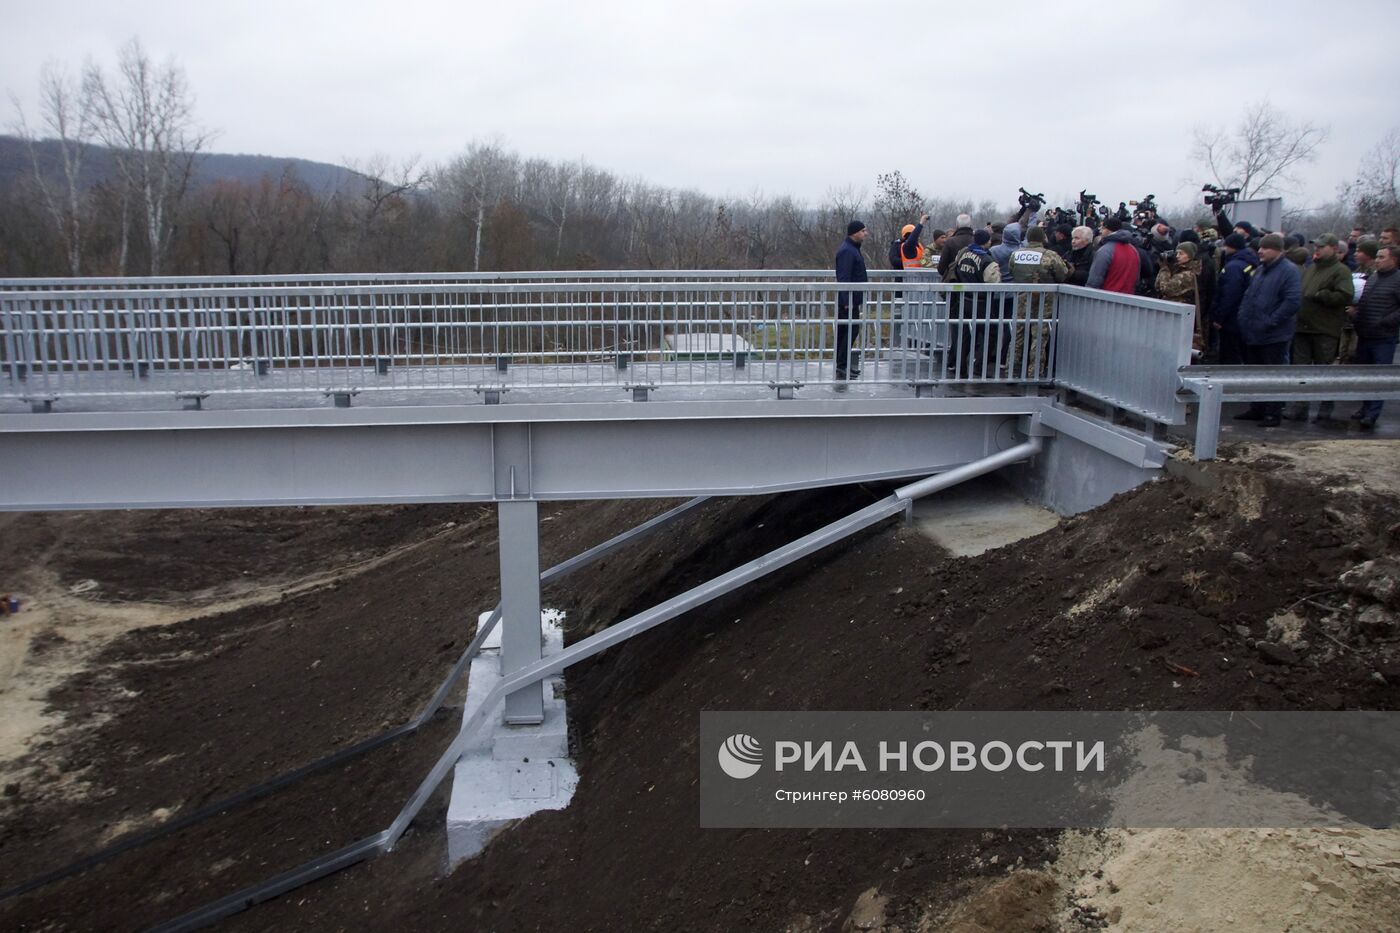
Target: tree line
{"points": [[487, 209]]}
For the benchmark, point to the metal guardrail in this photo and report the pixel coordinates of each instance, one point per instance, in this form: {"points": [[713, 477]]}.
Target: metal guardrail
{"points": [[142, 341], [1214, 385], [344, 339], [1124, 350]]}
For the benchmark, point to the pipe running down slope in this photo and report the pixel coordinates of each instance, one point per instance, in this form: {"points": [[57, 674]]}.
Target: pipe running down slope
{"points": [[384, 841]]}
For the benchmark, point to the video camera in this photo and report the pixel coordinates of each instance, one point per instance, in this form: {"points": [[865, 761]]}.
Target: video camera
{"points": [[1058, 215], [1034, 201], [1086, 203], [1146, 214], [1219, 197]]}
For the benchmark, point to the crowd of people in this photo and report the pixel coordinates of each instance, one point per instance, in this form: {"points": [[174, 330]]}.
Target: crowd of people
{"points": [[1260, 297]]}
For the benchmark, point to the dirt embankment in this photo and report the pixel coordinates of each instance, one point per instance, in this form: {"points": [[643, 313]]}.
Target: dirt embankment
{"points": [[1104, 612]]}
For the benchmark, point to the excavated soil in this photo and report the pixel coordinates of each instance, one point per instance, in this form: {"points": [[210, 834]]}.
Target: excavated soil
{"points": [[1162, 599]]}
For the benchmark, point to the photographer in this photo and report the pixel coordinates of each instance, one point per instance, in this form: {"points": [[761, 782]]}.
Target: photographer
{"points": [[1205, 281], [1179, 280]]}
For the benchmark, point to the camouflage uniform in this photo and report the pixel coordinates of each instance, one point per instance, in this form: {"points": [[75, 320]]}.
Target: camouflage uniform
{"points": [[1181, 283], [1178, 283], [1034, 264]]}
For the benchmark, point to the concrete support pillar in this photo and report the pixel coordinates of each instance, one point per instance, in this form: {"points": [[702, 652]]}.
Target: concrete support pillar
{"points": [[521, 637]]}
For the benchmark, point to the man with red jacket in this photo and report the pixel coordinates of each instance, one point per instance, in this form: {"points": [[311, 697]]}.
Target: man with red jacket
{"points": [[1116, 266]]}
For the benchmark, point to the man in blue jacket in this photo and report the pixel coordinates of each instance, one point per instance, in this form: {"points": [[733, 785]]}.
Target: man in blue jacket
{"points": [[1239, 264], [1267, 317], [850, 267]]}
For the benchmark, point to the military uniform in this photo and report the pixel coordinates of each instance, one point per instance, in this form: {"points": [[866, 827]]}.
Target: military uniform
{"points": [[1182, 283], [1327, 291], [1034, 264]]}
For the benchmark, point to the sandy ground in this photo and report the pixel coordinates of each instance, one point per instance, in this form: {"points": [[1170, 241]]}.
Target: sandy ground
{"points": [[61, 629]]}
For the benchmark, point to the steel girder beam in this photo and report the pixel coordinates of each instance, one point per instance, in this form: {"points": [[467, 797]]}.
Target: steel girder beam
{"points": [[389, 456]]}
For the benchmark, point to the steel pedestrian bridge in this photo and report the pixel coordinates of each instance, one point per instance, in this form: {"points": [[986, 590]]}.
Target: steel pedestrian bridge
{"points": [[199, 392], [519, 387]]}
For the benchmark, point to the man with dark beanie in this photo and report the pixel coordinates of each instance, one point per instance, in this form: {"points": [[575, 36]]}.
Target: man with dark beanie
{"points": [[1327, 292], [1268, 316], [850, 267], [1239, 263]]}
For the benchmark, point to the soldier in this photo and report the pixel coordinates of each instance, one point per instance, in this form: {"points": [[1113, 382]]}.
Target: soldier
{"points": [[1327, 291], [1179, 280], [1034, 264]]}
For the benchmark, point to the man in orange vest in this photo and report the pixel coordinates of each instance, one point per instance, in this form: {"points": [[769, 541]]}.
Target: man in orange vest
{"points": [[911, 251]]}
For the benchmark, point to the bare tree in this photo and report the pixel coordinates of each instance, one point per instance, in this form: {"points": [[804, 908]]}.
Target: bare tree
{"points": [[145, 116], [1376, 192], [476, 182], [561, 200], [65, 114], [896, 203], [1263, 151]]}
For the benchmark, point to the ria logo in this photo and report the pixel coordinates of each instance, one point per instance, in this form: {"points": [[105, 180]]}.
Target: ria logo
{"points": [[740, 756]]}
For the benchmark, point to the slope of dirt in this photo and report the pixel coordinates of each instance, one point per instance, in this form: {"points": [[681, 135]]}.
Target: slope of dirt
{"points": [[162, 708], [1104, 612]]}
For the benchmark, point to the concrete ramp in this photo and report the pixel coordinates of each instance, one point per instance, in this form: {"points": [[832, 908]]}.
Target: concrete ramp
{"points": [[979, 516]]}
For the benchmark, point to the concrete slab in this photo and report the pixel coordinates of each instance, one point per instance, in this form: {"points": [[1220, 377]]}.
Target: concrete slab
{"points": [[509, 772], [980, 515]]}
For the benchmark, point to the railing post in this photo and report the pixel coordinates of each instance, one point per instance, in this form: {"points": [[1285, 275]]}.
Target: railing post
{"points": [[1207, 419], [521, 634]]}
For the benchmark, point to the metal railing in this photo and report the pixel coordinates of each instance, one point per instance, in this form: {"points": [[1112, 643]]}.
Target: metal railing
{"points": [[441, 278], [1124, 350], [1215, 385], [466, 336], [491, 336]]}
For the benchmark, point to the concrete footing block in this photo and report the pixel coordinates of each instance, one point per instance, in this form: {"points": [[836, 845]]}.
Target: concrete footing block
{"points": [[509, 772]]}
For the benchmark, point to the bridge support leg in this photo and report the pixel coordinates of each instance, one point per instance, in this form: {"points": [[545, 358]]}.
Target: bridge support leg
{"points": [[521, 635], [1207, 420]]}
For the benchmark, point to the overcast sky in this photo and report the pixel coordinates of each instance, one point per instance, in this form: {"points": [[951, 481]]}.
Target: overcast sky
{"points": [[736, 97]]}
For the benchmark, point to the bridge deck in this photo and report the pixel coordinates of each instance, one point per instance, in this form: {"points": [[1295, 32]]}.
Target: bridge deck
{"points": [[117, 391]]}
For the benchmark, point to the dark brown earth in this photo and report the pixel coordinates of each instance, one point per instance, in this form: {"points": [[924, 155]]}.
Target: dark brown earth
{"points": [[884, 621]]}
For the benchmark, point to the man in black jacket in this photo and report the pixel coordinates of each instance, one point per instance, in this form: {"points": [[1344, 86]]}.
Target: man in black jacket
{"points": [[1377, 320], [850, 267], [959, 240]]}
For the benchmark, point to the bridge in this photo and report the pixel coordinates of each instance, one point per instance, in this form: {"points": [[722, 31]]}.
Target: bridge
{"points": [[517, 388]]}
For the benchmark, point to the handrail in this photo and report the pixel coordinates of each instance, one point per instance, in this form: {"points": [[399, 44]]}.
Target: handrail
{"points": [[1212, 385]]}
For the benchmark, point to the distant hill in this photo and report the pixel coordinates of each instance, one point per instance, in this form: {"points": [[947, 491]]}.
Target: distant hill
{"points": [[98, 165]]}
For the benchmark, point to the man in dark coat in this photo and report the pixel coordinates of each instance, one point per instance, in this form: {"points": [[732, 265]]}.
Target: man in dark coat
{"points": [[850, 267], [1240, 264], [1081, 255], [1267, 317], [959, 240], [1377, 320]]}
